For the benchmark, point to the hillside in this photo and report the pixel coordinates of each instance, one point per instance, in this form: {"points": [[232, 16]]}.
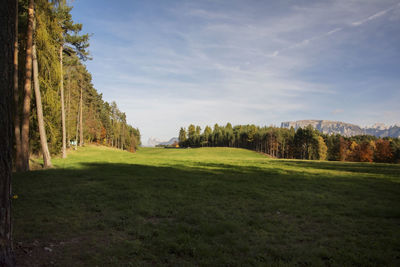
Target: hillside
{"points": [[206, 206], [346, 129]]}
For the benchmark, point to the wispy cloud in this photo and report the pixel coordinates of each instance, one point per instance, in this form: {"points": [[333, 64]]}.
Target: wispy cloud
{"points": [[335, 30], [375, 16]]}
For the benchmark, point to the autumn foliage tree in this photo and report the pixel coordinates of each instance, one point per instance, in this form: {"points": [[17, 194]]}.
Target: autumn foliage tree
{"points": [[383, 151]]}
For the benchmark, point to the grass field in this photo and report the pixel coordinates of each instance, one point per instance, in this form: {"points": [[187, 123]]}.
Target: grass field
{"points": [[206, 207]]}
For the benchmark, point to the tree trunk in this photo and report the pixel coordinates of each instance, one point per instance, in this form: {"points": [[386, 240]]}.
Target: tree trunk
{"points": [[7, 35], [27, 90], [39, 109], [17, 114], [81, 122], [69, 111], [64, 137], [77, 129]]}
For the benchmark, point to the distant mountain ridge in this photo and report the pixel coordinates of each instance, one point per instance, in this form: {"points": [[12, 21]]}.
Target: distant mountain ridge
{"points": [[154, 142], [345, 129], [170, 142]]}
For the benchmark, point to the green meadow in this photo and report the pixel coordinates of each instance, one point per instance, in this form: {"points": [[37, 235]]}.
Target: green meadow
{"points": [[205, 207]]}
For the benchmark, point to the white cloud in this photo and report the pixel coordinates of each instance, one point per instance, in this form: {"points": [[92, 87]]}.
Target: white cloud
{"points": [[375, 16]]}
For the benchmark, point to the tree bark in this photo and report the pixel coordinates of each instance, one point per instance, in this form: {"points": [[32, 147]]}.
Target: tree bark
{"points": [[69, 111], [77, 129], [17, 115], [39, 109], [81, 121], [27, 90], [64, 143], [7, 37]]}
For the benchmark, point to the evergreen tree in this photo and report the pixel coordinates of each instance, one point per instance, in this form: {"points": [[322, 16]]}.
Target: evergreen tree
{"points": [[182, 137]]}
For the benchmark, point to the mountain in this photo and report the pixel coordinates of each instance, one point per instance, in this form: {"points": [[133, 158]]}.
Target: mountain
{"points": [[388, 131], [170, 142], [154, 142], [345, 129]]}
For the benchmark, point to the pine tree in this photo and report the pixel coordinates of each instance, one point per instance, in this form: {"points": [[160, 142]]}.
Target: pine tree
{"points": [[182, 137]]}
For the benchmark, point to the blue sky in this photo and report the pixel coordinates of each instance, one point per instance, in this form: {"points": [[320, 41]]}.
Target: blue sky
{"points": [[171, 63]]}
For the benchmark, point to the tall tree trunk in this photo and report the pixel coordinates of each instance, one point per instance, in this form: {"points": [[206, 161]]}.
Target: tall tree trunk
{"points": [[123, 136], [27, 90], [39, 109], [69, 111], [77, 129], [64, 144], [81, 121], [7, 35], [17, 114]]}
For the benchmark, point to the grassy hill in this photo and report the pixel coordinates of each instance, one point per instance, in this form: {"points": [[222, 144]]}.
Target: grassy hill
{"points": [[208, 206]]}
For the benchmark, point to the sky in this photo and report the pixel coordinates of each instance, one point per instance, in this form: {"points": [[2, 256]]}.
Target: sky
{"points": [[171, 63]]}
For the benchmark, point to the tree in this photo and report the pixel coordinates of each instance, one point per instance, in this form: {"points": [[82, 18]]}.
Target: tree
{"points": [[206, 135], [17, 116], [306, 143], [7, 36], [353, 153], [343, 149], [395, 147], [81, 117], [229, 135], [383, 151], [366, 151], [26, 109], [39, 109], [191, 135], [182, 137], [333, 144], [322, 148], [69, 44]]}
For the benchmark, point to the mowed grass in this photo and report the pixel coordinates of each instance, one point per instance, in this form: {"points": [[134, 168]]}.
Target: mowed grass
{"points": [[206, 207]]}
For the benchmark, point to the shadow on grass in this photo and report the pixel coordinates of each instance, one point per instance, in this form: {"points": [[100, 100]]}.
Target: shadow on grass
{"points": [[210, 214]]}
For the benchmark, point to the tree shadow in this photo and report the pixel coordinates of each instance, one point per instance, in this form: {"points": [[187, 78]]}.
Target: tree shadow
{"points": [[208, 213]]}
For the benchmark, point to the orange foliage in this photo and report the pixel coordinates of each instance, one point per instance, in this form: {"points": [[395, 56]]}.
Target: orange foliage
{"points": [[353, 153], [103, 133], [383, 152], [363, 152], [366, 152]]}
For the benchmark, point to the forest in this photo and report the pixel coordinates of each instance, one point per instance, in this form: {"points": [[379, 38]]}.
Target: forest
{"points": [[303, 143], [56, 106]]}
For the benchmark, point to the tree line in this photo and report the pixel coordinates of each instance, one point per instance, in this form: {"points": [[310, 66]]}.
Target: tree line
{"points": [[63, 109], [303, 143]]}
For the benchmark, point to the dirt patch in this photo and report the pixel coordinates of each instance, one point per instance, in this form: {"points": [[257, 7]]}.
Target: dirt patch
{"points": [[39, 253]]}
